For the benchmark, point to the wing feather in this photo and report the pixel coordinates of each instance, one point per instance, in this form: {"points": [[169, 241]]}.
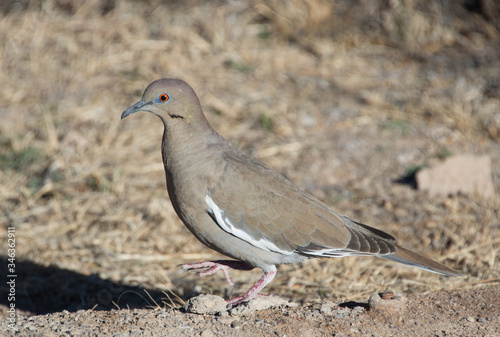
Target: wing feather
{"points": [[258, 205]]}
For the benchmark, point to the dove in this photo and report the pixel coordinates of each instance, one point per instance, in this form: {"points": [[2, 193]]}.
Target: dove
{"points": [[242, 208]]}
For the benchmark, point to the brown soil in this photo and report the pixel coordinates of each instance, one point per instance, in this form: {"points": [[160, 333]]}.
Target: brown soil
{"points": [[444, 313], [345, 98]]}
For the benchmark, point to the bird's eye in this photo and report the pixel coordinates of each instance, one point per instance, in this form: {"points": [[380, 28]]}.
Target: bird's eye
{"points": [[163, 98]]}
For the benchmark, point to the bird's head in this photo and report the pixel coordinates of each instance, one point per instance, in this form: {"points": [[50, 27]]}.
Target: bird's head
{"points": [[170, 99]]}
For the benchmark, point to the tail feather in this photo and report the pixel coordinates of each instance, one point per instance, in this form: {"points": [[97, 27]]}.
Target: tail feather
{"points": [[410, 258]]}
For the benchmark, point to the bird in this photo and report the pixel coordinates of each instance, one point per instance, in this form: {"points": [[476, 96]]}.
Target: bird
{"points": [[242, 208]]}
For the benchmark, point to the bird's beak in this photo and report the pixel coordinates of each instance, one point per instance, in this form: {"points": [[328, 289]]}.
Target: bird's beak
{"points": [[134, 108]]}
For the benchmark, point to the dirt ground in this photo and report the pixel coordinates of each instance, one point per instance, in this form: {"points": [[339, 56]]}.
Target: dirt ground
{"points": [[346, 98], [444, 313]]}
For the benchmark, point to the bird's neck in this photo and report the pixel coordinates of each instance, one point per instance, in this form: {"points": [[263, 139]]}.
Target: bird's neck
{"points": [[193, 161], [187, 148]]}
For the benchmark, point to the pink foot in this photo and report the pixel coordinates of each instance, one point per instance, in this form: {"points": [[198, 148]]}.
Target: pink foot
{"points": [[207, 268], [254, 291]]}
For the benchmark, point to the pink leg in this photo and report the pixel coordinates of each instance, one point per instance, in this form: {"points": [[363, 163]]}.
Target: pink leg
{"points": [[211, 267], [254, 291]]}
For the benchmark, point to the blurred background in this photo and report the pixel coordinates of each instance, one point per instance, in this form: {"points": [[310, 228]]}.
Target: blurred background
{"points": [[345, 98]]}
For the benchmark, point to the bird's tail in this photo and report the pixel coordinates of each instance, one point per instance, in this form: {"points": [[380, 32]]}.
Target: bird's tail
{"points": [[410, 258]]}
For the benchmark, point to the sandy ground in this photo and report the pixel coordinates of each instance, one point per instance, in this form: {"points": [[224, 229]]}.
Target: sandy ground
{"points": [[347, 99], [445, 313]]}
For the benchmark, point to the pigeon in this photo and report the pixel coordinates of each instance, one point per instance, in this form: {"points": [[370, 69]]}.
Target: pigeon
{"points": [[242, 208]]}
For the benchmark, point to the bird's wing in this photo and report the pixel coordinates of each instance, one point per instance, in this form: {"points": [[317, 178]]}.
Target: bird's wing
{"points": [[257, 204]]}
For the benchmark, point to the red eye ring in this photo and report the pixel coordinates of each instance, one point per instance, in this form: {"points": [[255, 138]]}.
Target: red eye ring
{"points": [[163, 97]]}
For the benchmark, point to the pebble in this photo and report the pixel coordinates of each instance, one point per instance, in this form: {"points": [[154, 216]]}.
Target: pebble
{"points": [[205, 304]]}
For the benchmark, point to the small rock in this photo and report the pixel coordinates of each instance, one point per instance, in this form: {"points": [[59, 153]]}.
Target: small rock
{"points": [[261, 303], [466, 174], [205, 304], [392, 306]]}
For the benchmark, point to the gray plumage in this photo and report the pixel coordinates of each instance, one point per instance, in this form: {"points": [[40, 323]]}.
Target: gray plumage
{"points": [[243, 209]]}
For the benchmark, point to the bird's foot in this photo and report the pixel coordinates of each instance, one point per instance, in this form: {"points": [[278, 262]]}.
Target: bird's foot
{"points": [[207, 268], [254, 291]]}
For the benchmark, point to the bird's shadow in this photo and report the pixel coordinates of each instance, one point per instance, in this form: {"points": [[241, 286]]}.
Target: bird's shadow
{"points": [[40, 290]]}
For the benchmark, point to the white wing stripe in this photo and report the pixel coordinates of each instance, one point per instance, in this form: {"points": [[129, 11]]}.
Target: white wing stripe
{"points": [[229, 227], [329, 252]]}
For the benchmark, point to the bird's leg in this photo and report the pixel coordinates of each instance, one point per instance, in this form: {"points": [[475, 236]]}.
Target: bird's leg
{"points": [[254, 291], [207, 268]]}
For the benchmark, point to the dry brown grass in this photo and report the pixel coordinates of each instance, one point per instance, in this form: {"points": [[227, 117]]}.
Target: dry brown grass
{"points": [[340, 97]]}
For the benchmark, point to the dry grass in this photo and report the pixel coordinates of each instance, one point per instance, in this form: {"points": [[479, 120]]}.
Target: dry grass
{"points": [[342, 98]]}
